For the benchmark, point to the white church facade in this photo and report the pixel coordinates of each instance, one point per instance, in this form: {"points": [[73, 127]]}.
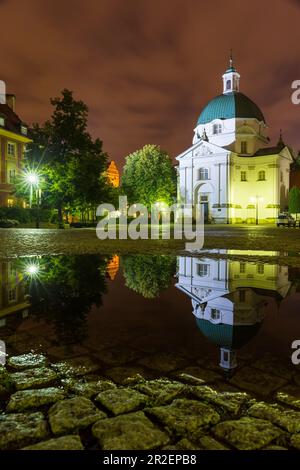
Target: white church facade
{"points": [[231, 169]]}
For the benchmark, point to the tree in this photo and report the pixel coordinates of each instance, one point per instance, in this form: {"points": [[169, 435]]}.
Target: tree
{"points": [[72, 164], [148, 275], [64, 292], [149, 176], [294, 200]]}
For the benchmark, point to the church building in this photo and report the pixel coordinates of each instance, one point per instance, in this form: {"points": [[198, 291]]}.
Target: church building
{"points": [[231, 169]]}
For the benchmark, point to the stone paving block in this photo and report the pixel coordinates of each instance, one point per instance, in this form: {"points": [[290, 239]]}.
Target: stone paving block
{"points": [[257, 381], [77, 366], [183, 444], [87, 388], [164, 362], [209, 443], [247, 433], [127, 374], [287, 419], [232, 402], [295, 441], [61, 352], [71, 442], [20, 429], [28, 399], [194, 375], [274, 447], [289, 395], [117, 356], [132, 431], [27, 361], [274, 366], [122, 400], [31, 378], [161, 391], [185, 417], [73, 414]]}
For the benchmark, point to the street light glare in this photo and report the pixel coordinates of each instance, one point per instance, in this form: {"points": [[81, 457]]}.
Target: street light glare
{"points": [[32, 269], [32, 178]]}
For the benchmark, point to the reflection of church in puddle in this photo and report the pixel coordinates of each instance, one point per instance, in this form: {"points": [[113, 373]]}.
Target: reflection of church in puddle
{"points": [[229, 299]]}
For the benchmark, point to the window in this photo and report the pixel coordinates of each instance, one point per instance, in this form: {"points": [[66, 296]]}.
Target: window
{"points": [[242, 295], [261, 175], [12, 294], [260, 269], [215, 314], [10, 202], [2, 121], [11, 176], [24, 130], [242, 268], [204, 198], [11, 149], [203, 174], [217, 128], [244, 147], [243, 175], [228, 84], [202, 270]]}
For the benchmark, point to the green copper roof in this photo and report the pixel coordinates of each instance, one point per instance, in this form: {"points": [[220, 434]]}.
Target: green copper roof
{"points": [[227, 336], [230, 105]]}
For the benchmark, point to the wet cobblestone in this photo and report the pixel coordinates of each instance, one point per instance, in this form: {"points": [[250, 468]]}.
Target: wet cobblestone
{"points": [[176, 410]]}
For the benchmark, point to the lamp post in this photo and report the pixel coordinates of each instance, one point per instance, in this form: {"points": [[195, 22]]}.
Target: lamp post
{"points": [[33, 180]]}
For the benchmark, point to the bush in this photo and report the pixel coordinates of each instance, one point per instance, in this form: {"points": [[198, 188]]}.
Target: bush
{"points": [[24, 216], [8, 223], [83, 224]]}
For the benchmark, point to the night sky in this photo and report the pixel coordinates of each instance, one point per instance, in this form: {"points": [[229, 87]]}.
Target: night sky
{"points": [[146, 68]]}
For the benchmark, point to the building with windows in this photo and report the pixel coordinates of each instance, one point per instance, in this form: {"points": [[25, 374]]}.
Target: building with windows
{"points": [[13, 140], [231, 169], [230, 298]]}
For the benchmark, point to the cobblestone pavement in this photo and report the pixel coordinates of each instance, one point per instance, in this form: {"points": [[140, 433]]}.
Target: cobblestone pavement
{"points": [[31, 242], [116, 398]]}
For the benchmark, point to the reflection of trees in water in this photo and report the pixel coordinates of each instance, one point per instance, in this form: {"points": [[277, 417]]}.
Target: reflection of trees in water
{"points": [[65, 291], [148, 275]]}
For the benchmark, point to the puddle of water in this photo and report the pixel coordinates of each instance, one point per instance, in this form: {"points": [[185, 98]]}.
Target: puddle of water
{"points": [[157, 314]]}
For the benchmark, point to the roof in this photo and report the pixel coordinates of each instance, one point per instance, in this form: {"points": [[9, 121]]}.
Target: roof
{"points": [[230, 105], [12, 121], [230, 336], [267, 151]]}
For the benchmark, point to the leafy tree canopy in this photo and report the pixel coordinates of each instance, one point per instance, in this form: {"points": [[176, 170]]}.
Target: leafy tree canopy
{"points": [[294, 200], [149, 176]]}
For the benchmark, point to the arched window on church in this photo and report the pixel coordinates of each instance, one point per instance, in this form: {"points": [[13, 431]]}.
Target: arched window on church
{"points": [[228, 84], [261, 175], [203, 174], [217, 128]]}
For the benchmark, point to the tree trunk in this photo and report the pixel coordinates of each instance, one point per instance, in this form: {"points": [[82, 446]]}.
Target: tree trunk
{"points": [[60, 222]]}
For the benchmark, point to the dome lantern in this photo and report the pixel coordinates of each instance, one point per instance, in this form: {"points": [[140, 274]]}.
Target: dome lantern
{"points": [[231, 78]]}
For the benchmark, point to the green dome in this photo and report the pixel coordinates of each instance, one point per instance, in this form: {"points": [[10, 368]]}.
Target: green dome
{"points": [[227, 336], [230, 105]]}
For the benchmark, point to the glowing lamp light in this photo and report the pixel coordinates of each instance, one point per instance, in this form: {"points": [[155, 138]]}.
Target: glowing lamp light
{"points": [[32, 269], [32, 178]]}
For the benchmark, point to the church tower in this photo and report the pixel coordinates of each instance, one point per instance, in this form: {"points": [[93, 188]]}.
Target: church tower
{"points": [[231, 78]]}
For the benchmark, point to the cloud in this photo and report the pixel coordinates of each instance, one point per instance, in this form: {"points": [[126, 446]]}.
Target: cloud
{"points": [[146, 68]]}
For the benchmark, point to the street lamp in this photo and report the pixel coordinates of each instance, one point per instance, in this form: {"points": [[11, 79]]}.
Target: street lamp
{"points": [[32, 179], [256, 200]]}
